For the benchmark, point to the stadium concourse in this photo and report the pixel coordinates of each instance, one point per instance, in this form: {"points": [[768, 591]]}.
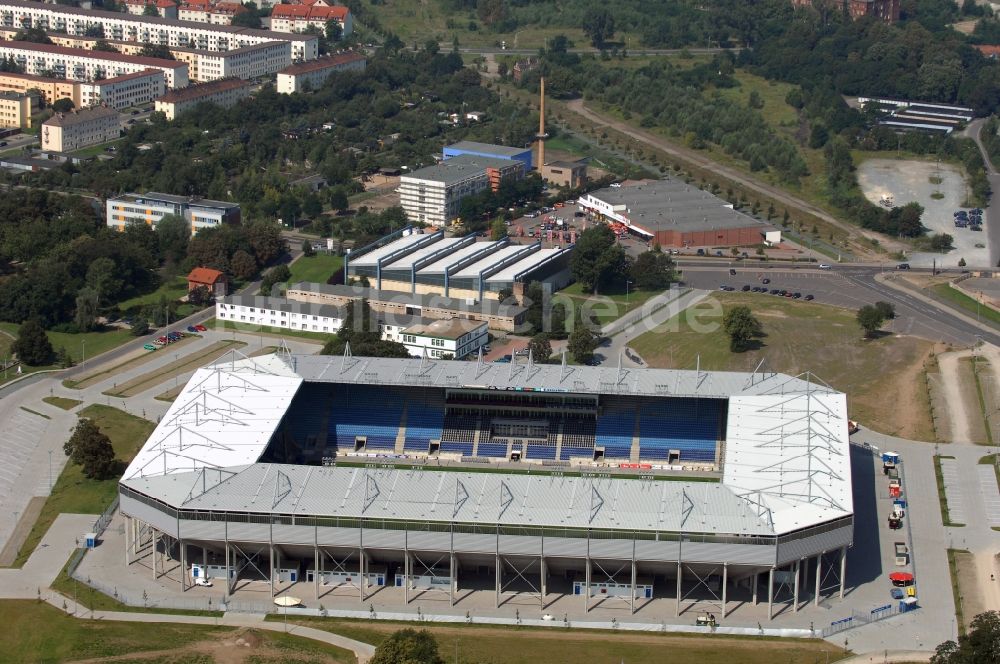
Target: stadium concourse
{"points": [[318, 473]]}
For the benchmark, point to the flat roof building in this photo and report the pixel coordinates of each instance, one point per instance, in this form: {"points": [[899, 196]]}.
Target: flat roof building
{"points": [[51, 89], [433, 194], [314, 73], [15, 109], [673, 213], [81, 128], [225, 93], [123, 91], [488, 150], [148, 29], [150, 207], [80, 65]]}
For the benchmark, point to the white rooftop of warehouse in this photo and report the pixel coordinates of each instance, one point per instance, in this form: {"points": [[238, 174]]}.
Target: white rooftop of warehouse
{"points": [[490, 260], [439, 267], [527, 263], [408, 239], [407, 261], [786, 463]]}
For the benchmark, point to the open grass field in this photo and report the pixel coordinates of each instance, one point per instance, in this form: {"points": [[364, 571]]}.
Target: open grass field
{"points": [[190, 362], [803, 336], [37, 632], [94, 343], [132, 360], [172, 289], [612, 303], [75, 494], [967, 304], [317, 268], [62, 402], [555, 646]]}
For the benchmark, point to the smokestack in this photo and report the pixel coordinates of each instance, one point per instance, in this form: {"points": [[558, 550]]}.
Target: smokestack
{"points": [[541, 127]]}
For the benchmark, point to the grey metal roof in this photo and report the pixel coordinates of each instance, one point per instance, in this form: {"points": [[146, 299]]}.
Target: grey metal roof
{"points": [[670, 204], [525, 376], [486, 306], [443, 496], [457, 169], [173, 199], [487, 148]]}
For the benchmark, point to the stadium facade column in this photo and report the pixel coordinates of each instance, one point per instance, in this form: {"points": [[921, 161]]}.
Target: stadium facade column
{"points": [[631, 606], [843, 569], [204, 560], [498, 569], [229, 571], [544, 571], [183, 556], [452, 569], [795, 591], [819, 569], [406, 567], [755, 580], [156, 548], [586, 585], [725, 582], [128, 539], [316, 563], [680, 574], [361, 571], [770, 594], [270, 551]]}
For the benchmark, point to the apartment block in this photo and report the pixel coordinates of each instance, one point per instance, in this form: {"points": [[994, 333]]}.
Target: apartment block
{"points": [[314, 73], [82, 65], [225, 93], [124, 91], [66, 132], [51, 89], [15, 109], [298, 18], [433, 195]]}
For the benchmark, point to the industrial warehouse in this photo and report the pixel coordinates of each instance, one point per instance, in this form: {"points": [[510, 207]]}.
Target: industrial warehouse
{"points": [[673, 213], [279, 473], [409, 261]]}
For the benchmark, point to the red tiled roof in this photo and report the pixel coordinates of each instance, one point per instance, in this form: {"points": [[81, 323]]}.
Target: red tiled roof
{"points": [[203, 90], [312, 13], [126, 77], [988, 49], [322, 63], [158, 3], [205, 275]]}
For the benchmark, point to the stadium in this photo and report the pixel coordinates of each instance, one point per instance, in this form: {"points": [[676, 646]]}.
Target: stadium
{"points": [[328, 474]]}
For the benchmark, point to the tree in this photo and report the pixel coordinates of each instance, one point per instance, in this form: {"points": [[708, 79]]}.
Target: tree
{"points": [[742, 328], [360, 330], [540, 348], [90, 449], [173, 235], [505, 294], [102, 277], [338, 199], [150, 10], [599, 25], [887, 310], [243, 265], [498, 229], [86, 309], [63, 105], [277, 275], [491, 12], [140, 326], [870, 319], [597, 258], [266, 241], [32, 345], [200, 296], [653, 270], [334, 31], [408, 646], [312, 207], [35, 35], [248, 19], [977, 645], [156, 51], [582, 343]]}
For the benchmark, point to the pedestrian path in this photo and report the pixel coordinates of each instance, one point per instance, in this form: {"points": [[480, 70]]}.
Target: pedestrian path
{"points": [[989, 492], [953, 491]]}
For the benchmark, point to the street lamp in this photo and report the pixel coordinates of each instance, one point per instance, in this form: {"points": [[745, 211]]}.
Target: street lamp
{"points": [[83, 352], [627, 282]]}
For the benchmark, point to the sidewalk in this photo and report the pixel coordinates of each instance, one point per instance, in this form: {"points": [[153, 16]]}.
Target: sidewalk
{"points": [[903, 287]]}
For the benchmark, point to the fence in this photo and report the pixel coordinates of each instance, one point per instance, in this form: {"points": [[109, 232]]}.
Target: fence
{"points": [[860, 618], [102, 521]]}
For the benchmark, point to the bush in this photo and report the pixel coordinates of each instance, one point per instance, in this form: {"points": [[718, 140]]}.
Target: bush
{"points": [[32, 345]]}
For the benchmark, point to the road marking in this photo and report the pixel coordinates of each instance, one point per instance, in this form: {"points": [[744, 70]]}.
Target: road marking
{"points": [[953, 491], [989, 492]]}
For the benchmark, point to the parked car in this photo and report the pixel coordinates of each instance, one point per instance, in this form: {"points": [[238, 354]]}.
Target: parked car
{"points": [[149, 347], [765, 281], [202, 582], [808, 297], [825, 266], [796, 295], [903, 266], [732, 271], [192, 328], [701, 252], [201, 328], [746, 288]]}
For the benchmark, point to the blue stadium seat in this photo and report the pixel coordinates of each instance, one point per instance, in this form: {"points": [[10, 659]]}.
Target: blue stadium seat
{"points": [[304, 417], [424, 423], [614, 431], [498, 450], [465, 449], [361, 410], [690, 426], [541, 452]]}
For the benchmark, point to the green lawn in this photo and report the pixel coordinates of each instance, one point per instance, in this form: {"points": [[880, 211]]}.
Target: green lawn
{"points": [[75, 494], [317, 268], [612, 303], [62, 402], [95, 343], [804, 336], [476, 643], [959, 299], [172, 289], [38, 632]]}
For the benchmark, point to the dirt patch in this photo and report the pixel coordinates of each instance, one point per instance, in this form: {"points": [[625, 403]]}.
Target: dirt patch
{"points": [[988, 573], [970, 583], [21, 531], [238, 647]]}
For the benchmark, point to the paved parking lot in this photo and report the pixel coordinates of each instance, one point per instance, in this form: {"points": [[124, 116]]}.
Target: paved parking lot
{"points": [[988, 490], [953, 491]]}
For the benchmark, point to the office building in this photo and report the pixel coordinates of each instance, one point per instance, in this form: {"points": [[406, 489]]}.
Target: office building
{"points": [[150, 207]]}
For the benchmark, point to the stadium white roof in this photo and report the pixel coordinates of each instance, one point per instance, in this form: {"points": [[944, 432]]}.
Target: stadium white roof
{"points": [[403, 242], [787, 459], [529, 262], [489, 261], [438, 267]]}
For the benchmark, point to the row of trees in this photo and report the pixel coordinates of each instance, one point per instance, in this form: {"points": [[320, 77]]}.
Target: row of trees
{"points": [[598, 261]]}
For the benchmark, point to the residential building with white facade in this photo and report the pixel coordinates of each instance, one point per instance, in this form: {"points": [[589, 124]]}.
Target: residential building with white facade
{"points": [[66, 132], [279, 312], [299, 18], [433, 195], [154, 30], [124, 91], [314, 73], [225, 93], [457, 337], [150, 207], [202, 11], [79, 65], [164, 8]]}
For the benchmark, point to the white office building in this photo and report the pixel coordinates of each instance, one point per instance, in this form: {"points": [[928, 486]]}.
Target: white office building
{"points": [[150, 207], [457, 338], [148, 29]]}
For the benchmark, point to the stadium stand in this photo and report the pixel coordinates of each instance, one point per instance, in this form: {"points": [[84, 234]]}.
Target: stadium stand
{"points": [[614, 430], [458, 433], [424, 422], [372, 413], [690, 426]]}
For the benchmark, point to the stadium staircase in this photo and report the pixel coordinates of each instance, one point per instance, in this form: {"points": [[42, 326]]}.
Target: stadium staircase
{"points": [[559, 439], [401, 434]]}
